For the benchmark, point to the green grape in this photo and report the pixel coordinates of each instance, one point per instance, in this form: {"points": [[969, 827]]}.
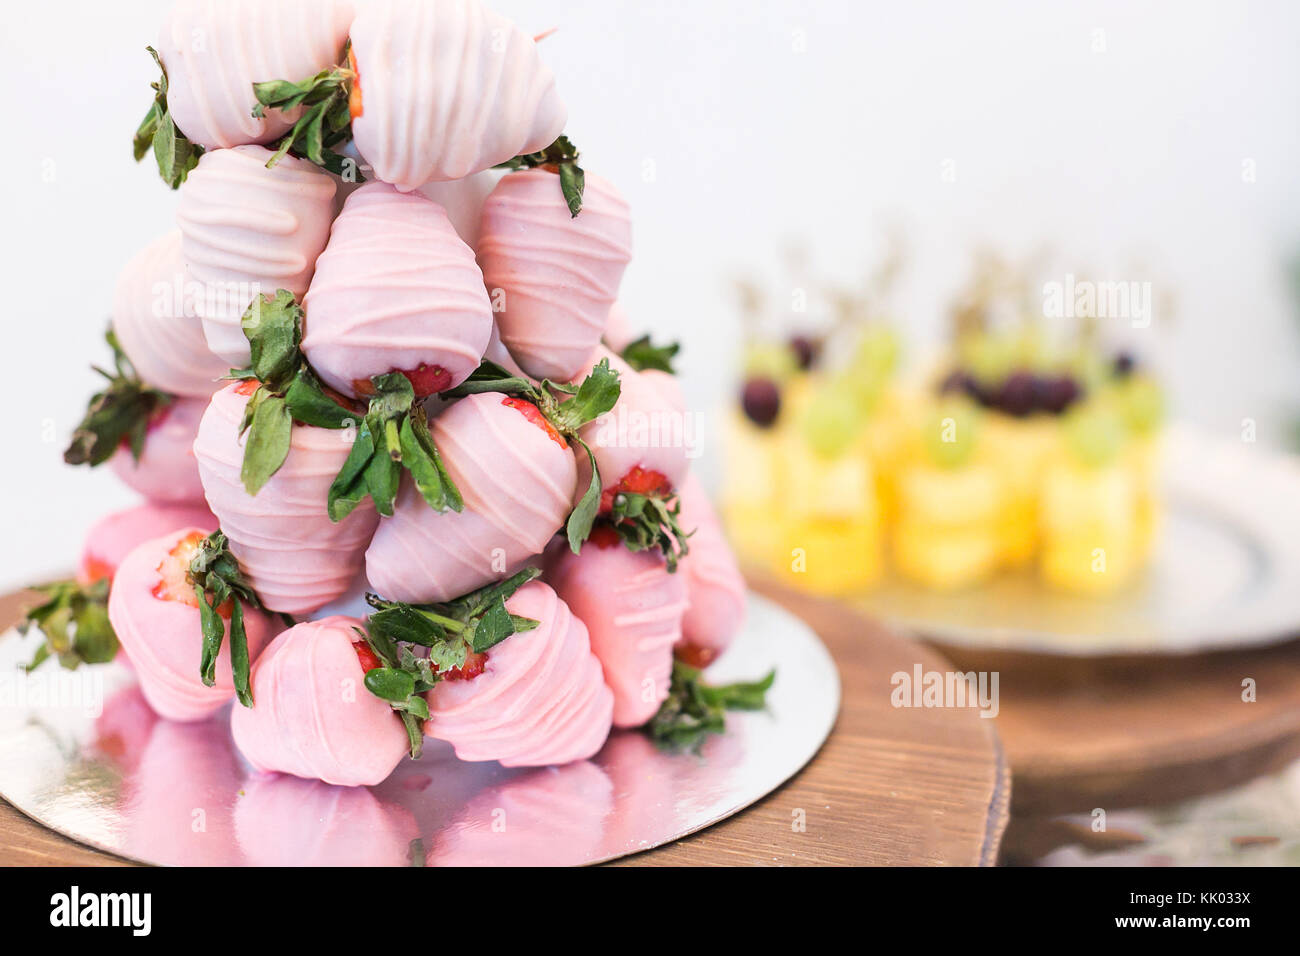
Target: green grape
{"points": [[1094, 432], [1142, 404], [951, 433], [1091, 368], [876, 354], [989, 358], [774, 360], [1030, 347], [832, 421]]}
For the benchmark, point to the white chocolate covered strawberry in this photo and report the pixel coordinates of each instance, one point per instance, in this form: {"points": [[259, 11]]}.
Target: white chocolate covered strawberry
{"points": [[463, 199], [295, 557], [215, 50], [155, 612], [445, 89], [715, 590], [633, 609], [396, 290], [114, 536], [553, 275], [157, 327], [165, 470], [312, 715], [535, 698], [516, 475], [618, 329], [247, 231]]}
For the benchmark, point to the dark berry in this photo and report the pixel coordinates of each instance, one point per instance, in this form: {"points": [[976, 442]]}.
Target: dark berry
{"points": [[1057, 393], [1124, 364], [761, 400], [1018, 395], [955, 381], [805, 351]]}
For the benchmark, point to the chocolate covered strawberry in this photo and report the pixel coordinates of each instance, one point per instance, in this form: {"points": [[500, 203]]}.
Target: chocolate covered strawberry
{"points": [[313, 716], [507, 449], [173, 625], [521, 687], [715, 590], [553, 252], [112, 537], [212, 53], [156, 325], [429, 92], [295, 557], [633, 609], [165, 470], [248, 230], [396, 290], [641, 450]]}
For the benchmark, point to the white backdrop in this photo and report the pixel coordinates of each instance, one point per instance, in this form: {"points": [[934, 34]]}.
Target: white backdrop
{"points": [[1118, 132]]}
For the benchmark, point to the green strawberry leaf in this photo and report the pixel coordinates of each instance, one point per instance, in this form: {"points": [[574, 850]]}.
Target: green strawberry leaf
{"points": [[390, 684], [645, 522], [119, 415], [73, 619], [325, 121], [694, 709], [269, 435], [217, 578], [349, 486], [583, 516], [643, 355], [273, 327], [176, 156], [597, 394]]}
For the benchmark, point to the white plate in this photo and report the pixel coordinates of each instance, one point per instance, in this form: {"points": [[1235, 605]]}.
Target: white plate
{"points": [[160, 792], [1225, 573]]}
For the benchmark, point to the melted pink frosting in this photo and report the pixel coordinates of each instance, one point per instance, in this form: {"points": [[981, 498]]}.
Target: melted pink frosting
{"points": [[296, 558], [553, 817], [247, 231], [558, 274], [155, 322], [285, 821], [164, 639], [633, 611], [448, 89], [647, 427], [517, 483], [714, 586], [115, 535], [215, 50], [395, 288], [312, 715], [540, 699], [166, 471]]}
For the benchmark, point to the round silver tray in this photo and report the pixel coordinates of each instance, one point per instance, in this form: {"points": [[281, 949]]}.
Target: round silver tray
{"points": [[1225, 573], [83, 754]]}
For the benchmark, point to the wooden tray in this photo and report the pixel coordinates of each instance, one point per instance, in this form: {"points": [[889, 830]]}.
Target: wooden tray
{"points": [[890, 786]]}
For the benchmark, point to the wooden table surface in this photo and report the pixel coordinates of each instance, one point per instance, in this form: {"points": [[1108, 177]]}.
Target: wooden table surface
{"points": [[892, 786]]}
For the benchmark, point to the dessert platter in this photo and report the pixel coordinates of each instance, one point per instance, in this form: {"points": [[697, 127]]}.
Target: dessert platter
{"points": [[415, 553], [1020, 491]]}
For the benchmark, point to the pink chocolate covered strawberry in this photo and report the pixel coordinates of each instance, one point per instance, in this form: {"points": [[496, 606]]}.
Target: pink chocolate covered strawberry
{"points": [[503, 673], [553, 254], [313, 716], [506, 447], [641, 449], [156, 325], [248, 231], [113, 537], [211, 52], [396, 290], [165, 470], [186, 670], [296, 558], [715, 590], [633, 609]]}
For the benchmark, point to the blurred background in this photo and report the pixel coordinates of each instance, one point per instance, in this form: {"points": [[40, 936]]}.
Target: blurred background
{"points": [[1144, 142]]}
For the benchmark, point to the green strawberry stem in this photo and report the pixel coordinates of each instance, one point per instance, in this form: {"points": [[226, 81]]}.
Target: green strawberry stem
{"points": [[644, 355], [568, 408], [651, 521], [560, 157], [449, 632], [217, 578], [175, 154], [120, 414], [74, 621], [694, 709], [325, 121]]}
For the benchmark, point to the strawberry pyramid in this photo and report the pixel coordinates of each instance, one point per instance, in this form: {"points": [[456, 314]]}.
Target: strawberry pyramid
{"points": [[328, 383]]}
